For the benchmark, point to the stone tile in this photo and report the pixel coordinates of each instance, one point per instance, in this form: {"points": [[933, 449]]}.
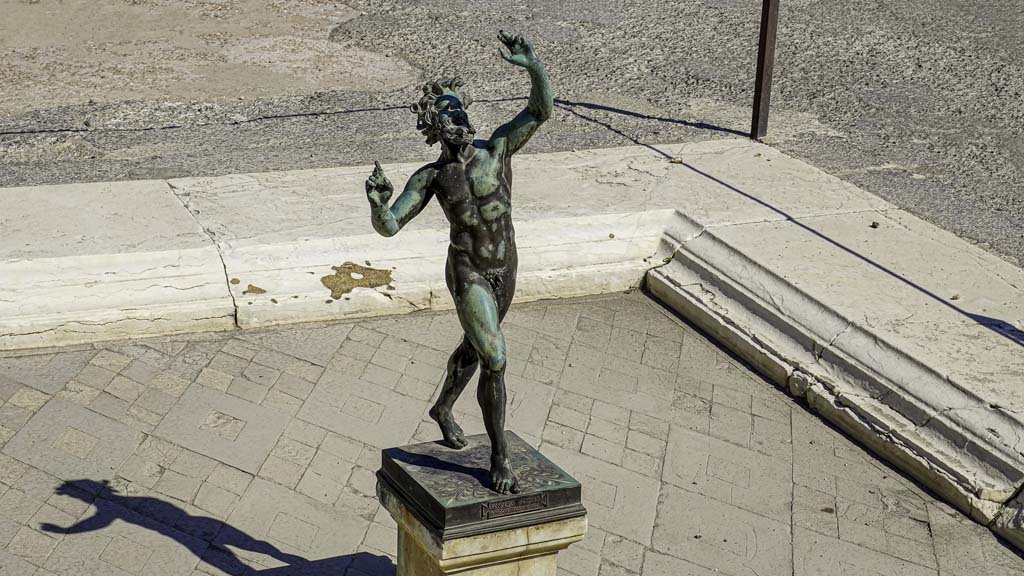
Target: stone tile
{"points": [[11, 470], [28, 398], [78, 393], [262, 375], [170, 383], [815, 511], [110, 406], [18, 506], [294, 451], [294, 386], [247, 390], [579, 561], [615, 433], [281, 403], [177, 485], [110, 360], [731, 398], [641, 442], [964, 548], [125, 389], [14, 417], [305, 433], [156, 401], [729, 473], [230, 478], [730, 424], [351, 407], [573, 401], [342, 447], [642, 463], [648, 425], [38, 484], [246, 451], [295, 523], [32, 545], [44, 442], [619, 501], [569, 417], [141, 471], [656, 564], [76, 442], [45, 372], [216, 500], [771, 437], [721, 537], [320, 487], [315, 344], [528, 405], [815, 554], [281, 471], [625, 553], [331, 466], [416, 388], [563, 437], [610, 412], [96, 376], [603, 449], [228, 364], [126, 555], [215, 379], [11, 565]]}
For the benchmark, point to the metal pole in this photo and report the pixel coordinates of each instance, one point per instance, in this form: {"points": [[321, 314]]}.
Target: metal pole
{"points": [[765, 64]]}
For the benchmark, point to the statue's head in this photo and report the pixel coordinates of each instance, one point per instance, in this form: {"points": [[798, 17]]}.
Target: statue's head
{"points": [[441, 113]]}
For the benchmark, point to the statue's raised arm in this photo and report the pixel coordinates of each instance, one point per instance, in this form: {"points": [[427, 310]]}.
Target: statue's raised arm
{"points": [[514, 134]]}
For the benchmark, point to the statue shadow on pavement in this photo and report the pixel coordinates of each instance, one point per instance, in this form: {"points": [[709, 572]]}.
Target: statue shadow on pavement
{"points": [[207, 538]]}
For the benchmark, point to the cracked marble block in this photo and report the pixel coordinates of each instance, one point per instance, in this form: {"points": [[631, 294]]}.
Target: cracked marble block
{"points": [[449, 522]]}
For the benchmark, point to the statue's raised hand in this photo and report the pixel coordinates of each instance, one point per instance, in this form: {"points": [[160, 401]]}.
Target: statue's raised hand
{"points": [[378, 187], [520, 52]]}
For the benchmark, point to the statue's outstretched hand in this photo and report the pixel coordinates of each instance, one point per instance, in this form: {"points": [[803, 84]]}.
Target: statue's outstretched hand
{"points": [[378, 187], [520, 52]]}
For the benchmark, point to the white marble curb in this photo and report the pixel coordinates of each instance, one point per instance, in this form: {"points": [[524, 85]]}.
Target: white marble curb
{"points": [[903, 335]]}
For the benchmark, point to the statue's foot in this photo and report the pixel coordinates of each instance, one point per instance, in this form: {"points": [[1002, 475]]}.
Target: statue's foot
{"points": [[503, 481], [454, 437]]}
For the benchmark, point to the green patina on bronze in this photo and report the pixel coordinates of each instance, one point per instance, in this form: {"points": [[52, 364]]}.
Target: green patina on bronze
{"points": [[350, 276], [472, 182]]}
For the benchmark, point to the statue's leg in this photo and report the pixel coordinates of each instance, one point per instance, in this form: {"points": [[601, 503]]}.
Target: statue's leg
{"points": [[461, 367], [478, 313]]}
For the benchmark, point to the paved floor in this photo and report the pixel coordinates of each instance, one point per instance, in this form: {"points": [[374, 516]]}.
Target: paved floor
{"points": [[254, 453]]}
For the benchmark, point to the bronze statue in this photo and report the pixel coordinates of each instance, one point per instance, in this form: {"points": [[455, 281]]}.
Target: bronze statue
{"points": [[472, 181]]}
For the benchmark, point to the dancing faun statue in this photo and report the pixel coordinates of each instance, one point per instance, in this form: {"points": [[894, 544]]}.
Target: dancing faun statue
{"points": [[472, 181]]}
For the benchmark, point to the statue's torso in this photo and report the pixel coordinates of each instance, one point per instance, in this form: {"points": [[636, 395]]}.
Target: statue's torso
{"points": [[476, 198]]}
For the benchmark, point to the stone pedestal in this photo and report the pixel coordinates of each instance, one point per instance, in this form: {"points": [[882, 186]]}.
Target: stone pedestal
{"points": [[450, 522]]}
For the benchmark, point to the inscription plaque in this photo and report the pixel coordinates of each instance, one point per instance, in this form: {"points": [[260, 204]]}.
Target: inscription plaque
{"points": [[513, 506], [449, 490]]}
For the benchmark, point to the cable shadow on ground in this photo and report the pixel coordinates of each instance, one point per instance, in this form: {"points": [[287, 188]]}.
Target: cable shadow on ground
{"points": [[207, 538], [1000, 327], [571, 106]]}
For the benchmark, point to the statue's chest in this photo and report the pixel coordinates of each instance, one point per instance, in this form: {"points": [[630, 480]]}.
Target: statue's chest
{"points": [[475, 182]]}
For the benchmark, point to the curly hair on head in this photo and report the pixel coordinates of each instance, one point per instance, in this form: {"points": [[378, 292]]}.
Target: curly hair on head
{"points": [[426, 112]]}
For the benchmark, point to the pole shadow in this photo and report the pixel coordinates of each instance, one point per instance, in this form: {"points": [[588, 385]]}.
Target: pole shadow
{"points": [[208, 539]]}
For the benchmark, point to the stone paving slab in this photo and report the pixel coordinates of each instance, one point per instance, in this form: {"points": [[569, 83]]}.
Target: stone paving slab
{"points": [[690, 463]]}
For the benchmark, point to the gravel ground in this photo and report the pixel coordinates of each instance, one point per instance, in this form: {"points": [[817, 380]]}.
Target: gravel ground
{"points": [[919, 102]]}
